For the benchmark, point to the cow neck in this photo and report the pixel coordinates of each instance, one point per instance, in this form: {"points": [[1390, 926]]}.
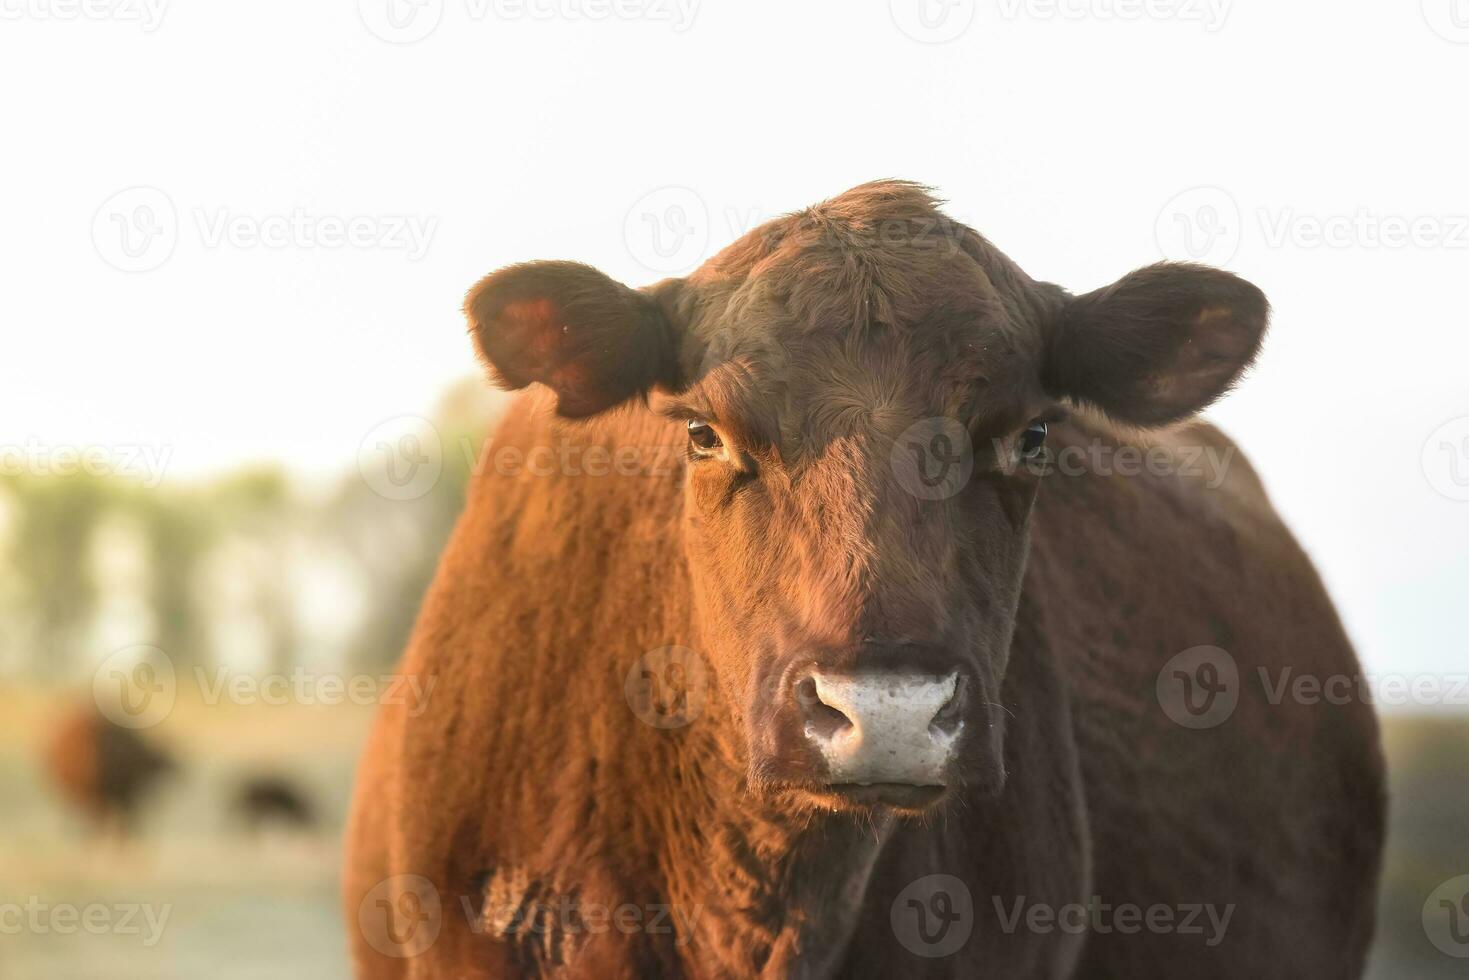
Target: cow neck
{"points": [[775, 894]]}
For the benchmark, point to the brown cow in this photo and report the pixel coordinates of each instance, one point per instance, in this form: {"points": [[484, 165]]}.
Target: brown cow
{"points": [[104, 769], [847, 638]]}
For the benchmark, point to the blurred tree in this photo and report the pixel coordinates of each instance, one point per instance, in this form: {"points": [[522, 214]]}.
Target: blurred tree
{"points": [[52, 523], [398, 542]]}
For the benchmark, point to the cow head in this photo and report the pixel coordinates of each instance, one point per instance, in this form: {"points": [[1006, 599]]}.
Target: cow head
{"points": [[860, 387]]}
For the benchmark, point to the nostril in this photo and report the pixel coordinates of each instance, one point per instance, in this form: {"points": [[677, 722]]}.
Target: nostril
{"points": [[950, 716], [822, 720]]}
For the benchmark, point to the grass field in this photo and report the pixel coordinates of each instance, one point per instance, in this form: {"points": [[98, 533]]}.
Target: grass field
{"points": [[240, 908], [237, 907]]}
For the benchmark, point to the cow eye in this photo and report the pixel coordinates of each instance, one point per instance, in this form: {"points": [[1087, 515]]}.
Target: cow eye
{"points": [[1033, 440], [703, 437]]}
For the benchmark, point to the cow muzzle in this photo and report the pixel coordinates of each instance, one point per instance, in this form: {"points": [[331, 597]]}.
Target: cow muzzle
{"points": [[883, 733]]}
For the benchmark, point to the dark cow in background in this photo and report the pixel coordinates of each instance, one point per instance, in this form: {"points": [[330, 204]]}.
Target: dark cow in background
{"points": [[104, 769], [266, 800], [810, 658]]}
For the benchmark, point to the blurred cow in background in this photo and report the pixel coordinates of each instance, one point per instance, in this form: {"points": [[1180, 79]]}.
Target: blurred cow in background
{"points": [[104, 769], [266, 801]]}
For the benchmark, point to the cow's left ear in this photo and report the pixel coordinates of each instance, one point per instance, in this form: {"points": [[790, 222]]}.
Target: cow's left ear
{"points": [[1158, 345], [592, 340]]}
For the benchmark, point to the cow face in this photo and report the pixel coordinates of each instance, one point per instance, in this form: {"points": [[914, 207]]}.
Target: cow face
{"points": [[864, 390]]}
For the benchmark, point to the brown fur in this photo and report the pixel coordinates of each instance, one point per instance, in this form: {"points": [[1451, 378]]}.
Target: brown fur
{"points": [[104, 770], [811, 345]]}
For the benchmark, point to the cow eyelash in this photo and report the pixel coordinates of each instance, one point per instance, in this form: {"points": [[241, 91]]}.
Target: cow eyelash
{"points": [[704, 441], [1032, 442]]}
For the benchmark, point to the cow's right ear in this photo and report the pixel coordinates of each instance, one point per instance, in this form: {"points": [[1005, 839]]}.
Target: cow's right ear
{"points": [[592, 340]]}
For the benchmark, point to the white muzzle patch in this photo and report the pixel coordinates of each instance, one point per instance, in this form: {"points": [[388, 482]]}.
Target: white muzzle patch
{"points": [[890, 735]]}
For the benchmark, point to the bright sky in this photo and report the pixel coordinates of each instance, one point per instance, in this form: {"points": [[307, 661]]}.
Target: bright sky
{"points": [[384, 177]]}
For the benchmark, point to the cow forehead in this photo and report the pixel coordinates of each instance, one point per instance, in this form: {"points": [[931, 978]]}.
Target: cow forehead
{"points": [[802, 394], [867, 311]]}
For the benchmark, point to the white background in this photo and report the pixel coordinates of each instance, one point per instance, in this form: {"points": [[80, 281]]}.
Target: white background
{"points": [[1064, 133]]}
